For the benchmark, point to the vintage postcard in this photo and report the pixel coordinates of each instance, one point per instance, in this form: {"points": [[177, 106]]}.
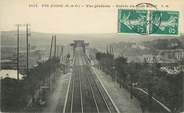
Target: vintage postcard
{"points": [[92, 56]]}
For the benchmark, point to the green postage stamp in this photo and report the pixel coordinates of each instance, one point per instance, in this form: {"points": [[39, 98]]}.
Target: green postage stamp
{"points": [[152, 22]]}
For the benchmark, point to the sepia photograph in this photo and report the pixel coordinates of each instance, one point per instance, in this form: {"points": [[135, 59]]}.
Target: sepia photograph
{"points": [[80, 57]]}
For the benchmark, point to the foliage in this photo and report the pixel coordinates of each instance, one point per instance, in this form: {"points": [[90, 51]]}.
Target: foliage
{"points": [[16, 93], [166, 88]]}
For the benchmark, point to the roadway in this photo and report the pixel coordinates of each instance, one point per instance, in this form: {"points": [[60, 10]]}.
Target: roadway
{"points": [[85, 93]]}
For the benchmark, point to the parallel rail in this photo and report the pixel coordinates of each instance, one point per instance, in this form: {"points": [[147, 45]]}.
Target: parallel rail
{"points": [[100, 100], [86, 93], [89, 99], [103, 101], [81, 94]]}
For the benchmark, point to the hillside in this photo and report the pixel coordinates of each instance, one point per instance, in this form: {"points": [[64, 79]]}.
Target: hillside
{"points": [[8, 39]]}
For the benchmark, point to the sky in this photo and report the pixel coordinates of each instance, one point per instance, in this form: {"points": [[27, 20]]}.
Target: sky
{"points": [[69, 20]]}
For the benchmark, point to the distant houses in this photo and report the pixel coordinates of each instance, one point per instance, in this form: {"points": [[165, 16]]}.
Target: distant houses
{"points": [[170, 60], [177, 54], [160, 56]]}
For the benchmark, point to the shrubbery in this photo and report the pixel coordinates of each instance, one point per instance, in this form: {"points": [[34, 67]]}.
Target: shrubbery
{"points": [[166, 88], [16, 93]]}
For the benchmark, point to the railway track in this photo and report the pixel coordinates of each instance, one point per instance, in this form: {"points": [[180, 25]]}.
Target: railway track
{"points": [[86, 94], [89, 104], [104, 103]]}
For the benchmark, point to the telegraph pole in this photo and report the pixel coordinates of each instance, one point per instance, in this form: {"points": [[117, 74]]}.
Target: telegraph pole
{"points": [[27, 47], [61, 53], [51, 47], [49, 81], [18, 51], [57, 52], [55, 56], [54, 45]]}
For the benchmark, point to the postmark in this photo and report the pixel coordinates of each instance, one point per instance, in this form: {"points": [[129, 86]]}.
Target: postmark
{"points": [[149, 8], [148, 22]]}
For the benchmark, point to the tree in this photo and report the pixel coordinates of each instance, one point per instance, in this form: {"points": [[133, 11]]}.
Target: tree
{"points": [[120, 64]]}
